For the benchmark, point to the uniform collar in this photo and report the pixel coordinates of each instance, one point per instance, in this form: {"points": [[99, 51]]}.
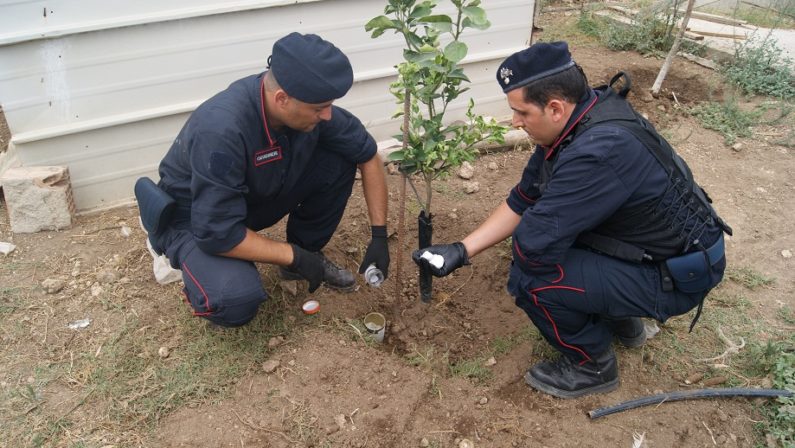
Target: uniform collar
{"points": [[269, 134], [580, 110]]}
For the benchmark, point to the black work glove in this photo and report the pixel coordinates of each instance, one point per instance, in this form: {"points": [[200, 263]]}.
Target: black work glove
{"points": [[309, 265], [377, 252], [455, 256]]}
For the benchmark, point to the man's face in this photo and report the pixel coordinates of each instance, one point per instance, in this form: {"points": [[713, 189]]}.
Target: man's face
{"points": [[543, 125], [305, 116]]}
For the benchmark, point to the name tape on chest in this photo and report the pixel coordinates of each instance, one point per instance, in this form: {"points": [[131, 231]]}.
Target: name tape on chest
{"points": [[267, 155]]}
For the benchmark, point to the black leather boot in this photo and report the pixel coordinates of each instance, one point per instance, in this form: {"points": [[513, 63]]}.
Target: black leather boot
{"points": [[565, 378], [630, 331], [334, 276]]}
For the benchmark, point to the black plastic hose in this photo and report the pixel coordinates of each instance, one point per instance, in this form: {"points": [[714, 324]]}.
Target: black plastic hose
{"points": [[688, 395]]}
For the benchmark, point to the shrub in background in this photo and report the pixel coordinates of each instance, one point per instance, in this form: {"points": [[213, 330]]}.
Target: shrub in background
{"points": [[759, 67]]}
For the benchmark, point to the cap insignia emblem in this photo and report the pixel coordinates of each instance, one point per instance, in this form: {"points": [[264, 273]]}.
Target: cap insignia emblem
{"points": [[505, 74]]}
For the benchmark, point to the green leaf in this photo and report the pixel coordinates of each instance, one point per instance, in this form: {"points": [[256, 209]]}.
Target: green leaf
{"points": [[455, 51], [414, 40], [441, 27], [395, 156], [431, 77], [458, 73], [420, 11], [380, 23], [466, 23], [418, 57], [475, 14], [438, 18]]}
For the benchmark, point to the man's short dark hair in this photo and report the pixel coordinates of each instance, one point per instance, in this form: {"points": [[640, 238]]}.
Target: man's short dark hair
{"points": [[570, 85]]}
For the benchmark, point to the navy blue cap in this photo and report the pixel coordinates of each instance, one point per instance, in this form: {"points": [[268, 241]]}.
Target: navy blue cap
{"points": [[533, 63], [310, 69]]}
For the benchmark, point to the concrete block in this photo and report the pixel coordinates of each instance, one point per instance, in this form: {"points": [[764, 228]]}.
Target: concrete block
{"points": [[38, 198]]}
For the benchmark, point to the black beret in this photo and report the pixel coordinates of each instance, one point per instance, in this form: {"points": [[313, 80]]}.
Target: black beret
{"points": [[533, 63], [310, 69]]}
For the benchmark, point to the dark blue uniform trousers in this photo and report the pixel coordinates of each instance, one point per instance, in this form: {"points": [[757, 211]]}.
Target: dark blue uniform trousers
{"points": [[567, 301], [228, 291]]}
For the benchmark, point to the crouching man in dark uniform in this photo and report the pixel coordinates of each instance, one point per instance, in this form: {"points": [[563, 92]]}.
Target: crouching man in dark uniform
{"points": [[607, 223], [268, 146]]}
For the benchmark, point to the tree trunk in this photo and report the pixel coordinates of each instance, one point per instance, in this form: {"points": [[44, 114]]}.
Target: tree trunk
{"points": [[655, 89], [401, 237]]}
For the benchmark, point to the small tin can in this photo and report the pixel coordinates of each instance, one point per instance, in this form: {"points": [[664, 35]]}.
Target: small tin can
{"points": [[311, 307], [373, 276], [376, 326]]}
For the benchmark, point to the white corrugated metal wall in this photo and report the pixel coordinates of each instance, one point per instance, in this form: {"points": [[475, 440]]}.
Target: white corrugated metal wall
{"points": [[104, 86]]}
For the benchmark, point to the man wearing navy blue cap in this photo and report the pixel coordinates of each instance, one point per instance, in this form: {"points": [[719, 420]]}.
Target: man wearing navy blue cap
{"points": [[607, 224], [268, 146]]}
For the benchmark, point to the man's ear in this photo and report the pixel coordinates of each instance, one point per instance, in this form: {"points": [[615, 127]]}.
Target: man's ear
{"points": [[281, 98], [557, 109]]}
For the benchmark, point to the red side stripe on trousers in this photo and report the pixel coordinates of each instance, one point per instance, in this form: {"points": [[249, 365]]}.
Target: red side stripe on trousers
{"points": [[585, 356], [206, 298]]}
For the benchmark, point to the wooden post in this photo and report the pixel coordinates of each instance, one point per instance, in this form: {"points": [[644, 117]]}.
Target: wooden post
{"points": [[655, 89]]}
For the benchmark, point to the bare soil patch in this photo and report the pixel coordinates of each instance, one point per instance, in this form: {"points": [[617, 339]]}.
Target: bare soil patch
{"points": [[431, 379]]}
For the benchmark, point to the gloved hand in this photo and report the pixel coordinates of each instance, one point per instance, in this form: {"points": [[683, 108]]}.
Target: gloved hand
{"points": [[377, 252], [309, 265], [455, 255]]}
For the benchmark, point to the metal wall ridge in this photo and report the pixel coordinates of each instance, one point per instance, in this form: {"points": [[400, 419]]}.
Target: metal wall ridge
{"points": [[103, 87], [104, 122], [174, 109], [47, 32]]}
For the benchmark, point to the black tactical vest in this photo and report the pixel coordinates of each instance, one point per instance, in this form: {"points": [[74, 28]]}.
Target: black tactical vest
{"points": [[648, 232]]}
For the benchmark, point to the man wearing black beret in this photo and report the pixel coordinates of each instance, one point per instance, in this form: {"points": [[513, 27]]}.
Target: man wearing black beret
{"points": [[607, 224], [268, 146]]}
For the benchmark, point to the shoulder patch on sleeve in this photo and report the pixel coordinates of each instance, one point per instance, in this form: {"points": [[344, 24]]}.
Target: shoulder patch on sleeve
{"points": [[220, 164]]}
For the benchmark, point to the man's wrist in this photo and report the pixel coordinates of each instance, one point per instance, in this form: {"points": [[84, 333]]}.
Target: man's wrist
{"points": [[378, 231]]}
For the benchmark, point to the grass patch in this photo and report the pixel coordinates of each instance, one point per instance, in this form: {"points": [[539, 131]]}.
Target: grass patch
{"points": [[727, 118], [427, 358], [502, 345], [786, 314], [737, 302], [748, 277], [119, 381], [9, 299], [591, 25], [679, 353], [143, 389], [476, 369]]}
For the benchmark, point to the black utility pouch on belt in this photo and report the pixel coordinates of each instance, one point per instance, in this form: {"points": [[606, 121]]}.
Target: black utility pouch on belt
{"points": [[692, 272], [155, 205]]}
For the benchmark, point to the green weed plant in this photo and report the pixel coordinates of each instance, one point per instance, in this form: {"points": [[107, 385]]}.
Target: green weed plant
{"points": [[760, 68], [727, 118], [781, 414], [650, 32]]}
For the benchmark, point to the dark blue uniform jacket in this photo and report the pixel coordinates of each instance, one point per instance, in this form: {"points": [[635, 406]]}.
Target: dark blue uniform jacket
{"points": [[600, 171], [226, 161]]}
